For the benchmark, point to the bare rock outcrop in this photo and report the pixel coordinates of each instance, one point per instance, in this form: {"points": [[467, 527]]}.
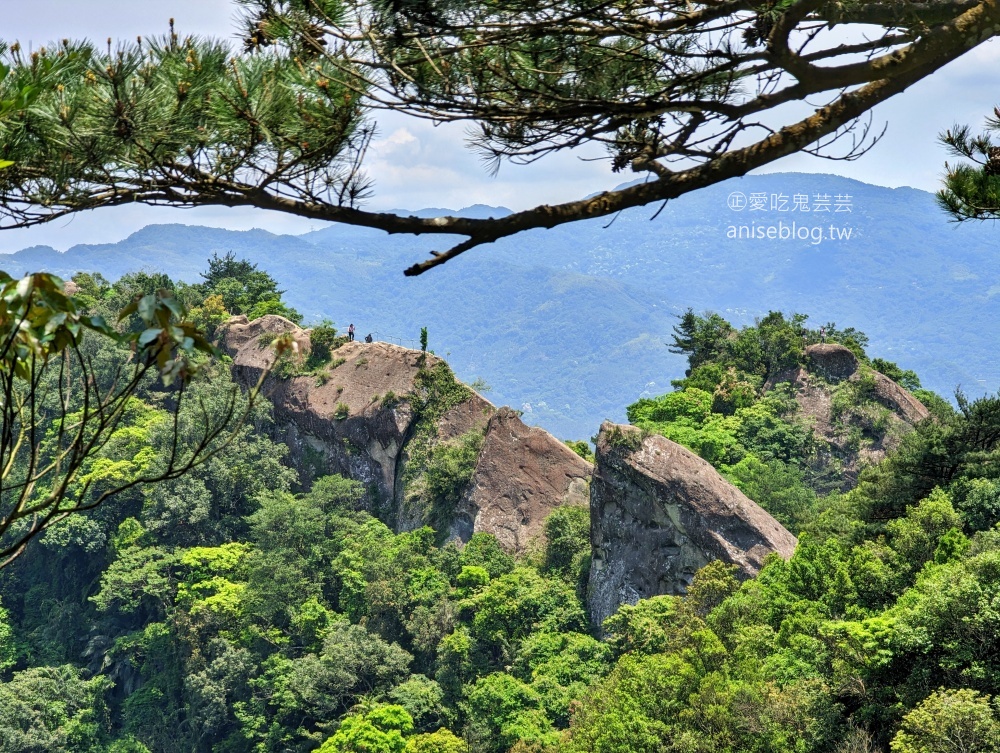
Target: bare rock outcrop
{"points": [[831, 367], [659, 513], [336, 423], [832, 361], [250, 340], [360, 416], [521, 476], [836, 363], [898, 400]]}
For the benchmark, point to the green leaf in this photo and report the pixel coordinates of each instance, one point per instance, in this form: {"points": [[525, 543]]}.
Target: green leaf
{"points": [[149, 335], [129, 310], [56, 321], [205, 347], [98, 324], [147, 307], [174, 305], [24, 286]]}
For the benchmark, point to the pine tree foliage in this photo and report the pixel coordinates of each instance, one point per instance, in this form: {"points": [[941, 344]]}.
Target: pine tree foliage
{"points": [[972, 187], [685, 94]]}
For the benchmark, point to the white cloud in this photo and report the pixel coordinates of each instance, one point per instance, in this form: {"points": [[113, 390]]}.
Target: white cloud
{"points": [[394, 142]]}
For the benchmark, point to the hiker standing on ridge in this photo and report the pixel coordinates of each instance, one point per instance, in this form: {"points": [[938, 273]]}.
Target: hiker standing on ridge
{"points": [[350, 334], [822, 334]]}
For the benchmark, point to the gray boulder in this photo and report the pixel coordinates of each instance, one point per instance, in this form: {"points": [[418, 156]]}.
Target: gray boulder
{"points": [[659, 513]]}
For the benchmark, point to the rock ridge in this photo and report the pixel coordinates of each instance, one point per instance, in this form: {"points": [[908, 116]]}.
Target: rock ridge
{"points": [[359, 416]]}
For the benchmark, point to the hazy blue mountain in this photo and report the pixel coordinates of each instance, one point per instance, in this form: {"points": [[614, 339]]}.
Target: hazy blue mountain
{"points": [[526, 330], [571, 324]]}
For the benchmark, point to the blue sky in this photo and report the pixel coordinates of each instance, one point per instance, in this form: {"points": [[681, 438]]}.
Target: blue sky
{"points": [[416, 164]]}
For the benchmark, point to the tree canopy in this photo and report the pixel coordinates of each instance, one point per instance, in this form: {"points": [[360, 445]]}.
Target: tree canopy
{"points": [[684, 94], [972, 187], [244, 289], [91, 410]]}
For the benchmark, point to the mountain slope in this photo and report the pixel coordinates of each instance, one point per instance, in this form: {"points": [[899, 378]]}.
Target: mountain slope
{"points": [[570, 324]]}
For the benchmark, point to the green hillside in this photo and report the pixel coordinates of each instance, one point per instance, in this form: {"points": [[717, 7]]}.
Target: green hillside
{"points": [[228, 610], [572, 323]]}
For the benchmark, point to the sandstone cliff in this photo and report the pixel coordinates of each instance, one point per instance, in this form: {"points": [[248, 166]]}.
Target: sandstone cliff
{"points": [[837, 363], [659, 513], [429, 449], [521, 471]]}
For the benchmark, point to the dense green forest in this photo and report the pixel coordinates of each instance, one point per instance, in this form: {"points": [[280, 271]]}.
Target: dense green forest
{"points": [[233, 610]]}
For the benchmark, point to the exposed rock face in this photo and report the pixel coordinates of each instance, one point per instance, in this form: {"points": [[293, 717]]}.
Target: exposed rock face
{"points": [[364, 442], [240, 334], [658, 513], [358, 417], [833, 363], [520, 473], [836, 363], [898, 400]]}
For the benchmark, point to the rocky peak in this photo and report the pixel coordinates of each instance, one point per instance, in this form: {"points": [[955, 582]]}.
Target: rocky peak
{"points": [[659, 513], [379, 413], [520, 472], [832, 361], [835, 363], [239, 333], [867, 420]]}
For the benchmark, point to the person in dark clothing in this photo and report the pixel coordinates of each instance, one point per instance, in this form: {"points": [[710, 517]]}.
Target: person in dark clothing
{"points": [[368, 338], [350, 334]]}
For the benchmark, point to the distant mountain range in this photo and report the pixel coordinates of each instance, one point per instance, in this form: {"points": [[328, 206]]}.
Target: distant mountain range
{"points": [[572, 324]]}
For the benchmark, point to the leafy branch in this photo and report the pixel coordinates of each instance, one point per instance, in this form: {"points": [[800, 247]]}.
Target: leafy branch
{"points": [[59, 410]]}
